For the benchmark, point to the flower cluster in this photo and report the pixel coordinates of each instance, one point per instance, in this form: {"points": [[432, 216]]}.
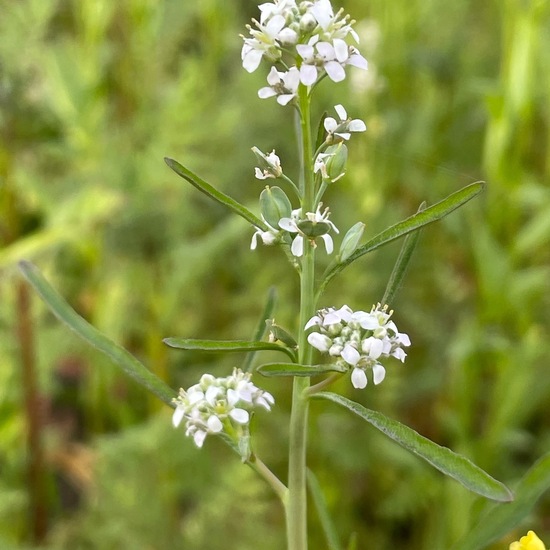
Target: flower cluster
{"points": [[217, 405], [528, 542], [310, 35], [359, 339]]}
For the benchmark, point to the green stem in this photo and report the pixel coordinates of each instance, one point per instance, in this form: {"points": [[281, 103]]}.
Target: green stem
{"points": [[296, 509], [276, 484]]}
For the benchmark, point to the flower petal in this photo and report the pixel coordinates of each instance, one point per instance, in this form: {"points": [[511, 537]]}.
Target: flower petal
{"points": [[350, 355], [297, 247], [378, 373], [308, 74], [335, 71], [358, 378], [214, 424], [198, 437], [178, 416], [239, 415]]}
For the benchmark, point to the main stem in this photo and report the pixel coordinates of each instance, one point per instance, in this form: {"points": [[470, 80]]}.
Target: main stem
{"points": [[296, 508]]}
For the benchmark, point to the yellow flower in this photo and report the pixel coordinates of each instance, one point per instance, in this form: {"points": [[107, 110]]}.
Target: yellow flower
{"points": [[528, 542]]}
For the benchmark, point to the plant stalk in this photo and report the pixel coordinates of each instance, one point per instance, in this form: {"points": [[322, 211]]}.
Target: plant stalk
{"points": [[296, 509]]}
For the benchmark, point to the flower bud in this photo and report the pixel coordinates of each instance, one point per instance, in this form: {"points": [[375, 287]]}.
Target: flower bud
{"points": [[307, 23], [269, 166], [274, 205], [351, 241]]}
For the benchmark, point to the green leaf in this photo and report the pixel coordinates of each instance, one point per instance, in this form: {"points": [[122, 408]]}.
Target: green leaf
{"points": [[413, 223], [331, 535], [400, 267], [65, 313], [261, 328], [213, 193], [442, 458], [225, 345], [294, 369], [501, 519]]}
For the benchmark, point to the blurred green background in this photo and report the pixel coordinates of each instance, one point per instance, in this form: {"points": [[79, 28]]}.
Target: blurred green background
{"points": [[93, 95]]}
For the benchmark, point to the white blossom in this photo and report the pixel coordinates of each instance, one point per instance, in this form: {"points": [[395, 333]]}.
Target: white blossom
{"points": [[215, 404], [284, 85], [299, 226], [359, 339], [343, 127]]}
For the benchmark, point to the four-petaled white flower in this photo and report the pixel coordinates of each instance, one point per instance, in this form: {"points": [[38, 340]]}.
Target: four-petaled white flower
{"points": [[344, 127], [263, 42], [359, 338], [283, 85], [215, 405], [298, 225]]}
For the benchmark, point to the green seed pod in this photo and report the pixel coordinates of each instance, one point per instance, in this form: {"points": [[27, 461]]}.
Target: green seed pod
{"points": [[351, 241], [336, 162], [313, 229], [274, 205]]}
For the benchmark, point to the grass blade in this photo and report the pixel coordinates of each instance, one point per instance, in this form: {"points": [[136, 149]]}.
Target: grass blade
{"points": [[65, 313], [402, 263], [261, 328], [331, 535], [501, 519]]}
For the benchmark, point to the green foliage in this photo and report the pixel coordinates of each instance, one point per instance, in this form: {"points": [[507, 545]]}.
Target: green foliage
{"points": [[94, 94]]}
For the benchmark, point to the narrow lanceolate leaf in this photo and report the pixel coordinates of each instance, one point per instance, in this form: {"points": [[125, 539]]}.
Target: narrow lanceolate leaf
{"points": [[65, 313], [331, 535], [261, 328], [294, 369], [501, 519], [442, 458], [213, 193], [413, 223], [402, 263], [225, 345]]}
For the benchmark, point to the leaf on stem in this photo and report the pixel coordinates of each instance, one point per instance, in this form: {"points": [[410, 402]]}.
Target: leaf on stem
{"points": [[500, 519], [65, 313], [402, 263], [261, 328], [331, 535], [294, 369], [213, 193], [454, 465], [225, 345], [413, 223]]}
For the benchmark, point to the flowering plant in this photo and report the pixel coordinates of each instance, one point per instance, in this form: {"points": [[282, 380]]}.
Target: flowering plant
{"points": [[304, 44]]}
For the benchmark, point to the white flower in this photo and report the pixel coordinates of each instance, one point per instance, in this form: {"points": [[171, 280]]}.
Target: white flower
{"points": [[330, 57], [344, 126], [359, 339], [279, 7], [283, 85], [295, 224], [215, 404], [263, 42]]}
